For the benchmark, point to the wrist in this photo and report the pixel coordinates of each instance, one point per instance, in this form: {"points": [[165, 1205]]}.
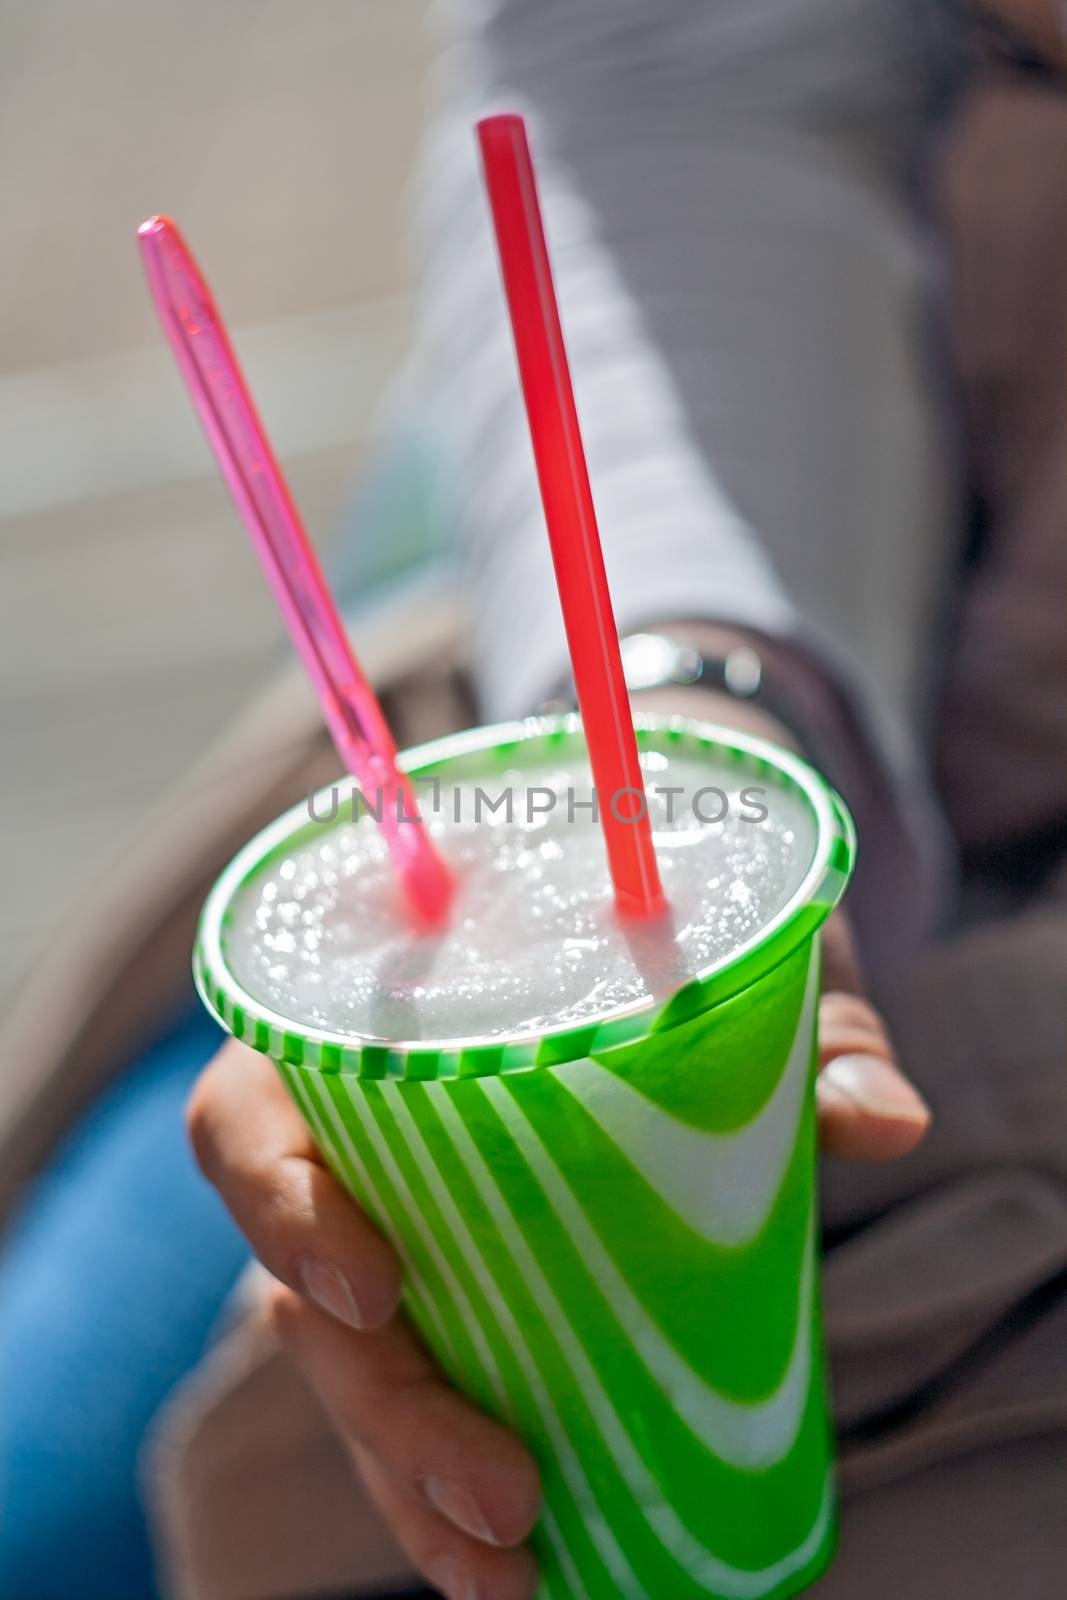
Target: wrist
{"points": [[728, 674], [740, 679], [714, 705]]}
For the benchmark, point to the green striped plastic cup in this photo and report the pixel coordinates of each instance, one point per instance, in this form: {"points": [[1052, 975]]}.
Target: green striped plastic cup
{"points": [[609, 1231]]}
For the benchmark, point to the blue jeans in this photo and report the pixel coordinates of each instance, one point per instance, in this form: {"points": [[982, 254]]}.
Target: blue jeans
{"points": [[110, 1283]]}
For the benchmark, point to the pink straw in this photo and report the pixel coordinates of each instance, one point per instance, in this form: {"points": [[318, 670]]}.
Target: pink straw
{"points": [[352, 713], [592, 637]]}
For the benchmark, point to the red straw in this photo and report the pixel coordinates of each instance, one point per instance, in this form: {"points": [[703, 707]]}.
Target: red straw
{"points": [[592, 637]]}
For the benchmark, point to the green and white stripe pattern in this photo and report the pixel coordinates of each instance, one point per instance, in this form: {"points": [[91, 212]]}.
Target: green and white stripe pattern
{"points": [[609, 1234], [626, 1274]]}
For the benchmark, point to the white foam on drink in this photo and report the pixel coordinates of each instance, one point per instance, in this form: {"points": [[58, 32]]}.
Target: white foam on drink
{"points": [[322, 937]]}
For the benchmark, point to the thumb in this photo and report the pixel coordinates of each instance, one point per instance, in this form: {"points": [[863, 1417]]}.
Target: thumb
{"points": [[868, 1110]]}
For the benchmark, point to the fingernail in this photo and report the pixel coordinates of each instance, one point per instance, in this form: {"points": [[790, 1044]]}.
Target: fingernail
{"points": [[459, 1506], [876, 1087], [330, 1289], [453, 1580]]}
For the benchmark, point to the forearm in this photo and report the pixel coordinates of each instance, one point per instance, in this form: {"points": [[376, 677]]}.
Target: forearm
{"points": [[740, 298], [739, 295]]}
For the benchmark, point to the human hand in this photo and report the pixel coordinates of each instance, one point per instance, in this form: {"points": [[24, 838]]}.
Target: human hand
{"points": [[458, 1490], [868, 1111]]}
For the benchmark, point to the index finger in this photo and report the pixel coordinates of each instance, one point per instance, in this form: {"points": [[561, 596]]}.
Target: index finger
{"points": [[252, 1144]]}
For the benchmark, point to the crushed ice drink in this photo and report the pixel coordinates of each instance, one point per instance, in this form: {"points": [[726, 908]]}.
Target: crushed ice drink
{"points": [[533, 942], [592, 1143]]}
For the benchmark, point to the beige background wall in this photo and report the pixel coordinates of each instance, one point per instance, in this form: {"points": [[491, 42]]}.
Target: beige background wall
{"points": [[133, 621]]}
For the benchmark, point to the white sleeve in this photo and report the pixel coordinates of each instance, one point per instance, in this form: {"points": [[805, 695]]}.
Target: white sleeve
{"points": [[744, 286]]}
